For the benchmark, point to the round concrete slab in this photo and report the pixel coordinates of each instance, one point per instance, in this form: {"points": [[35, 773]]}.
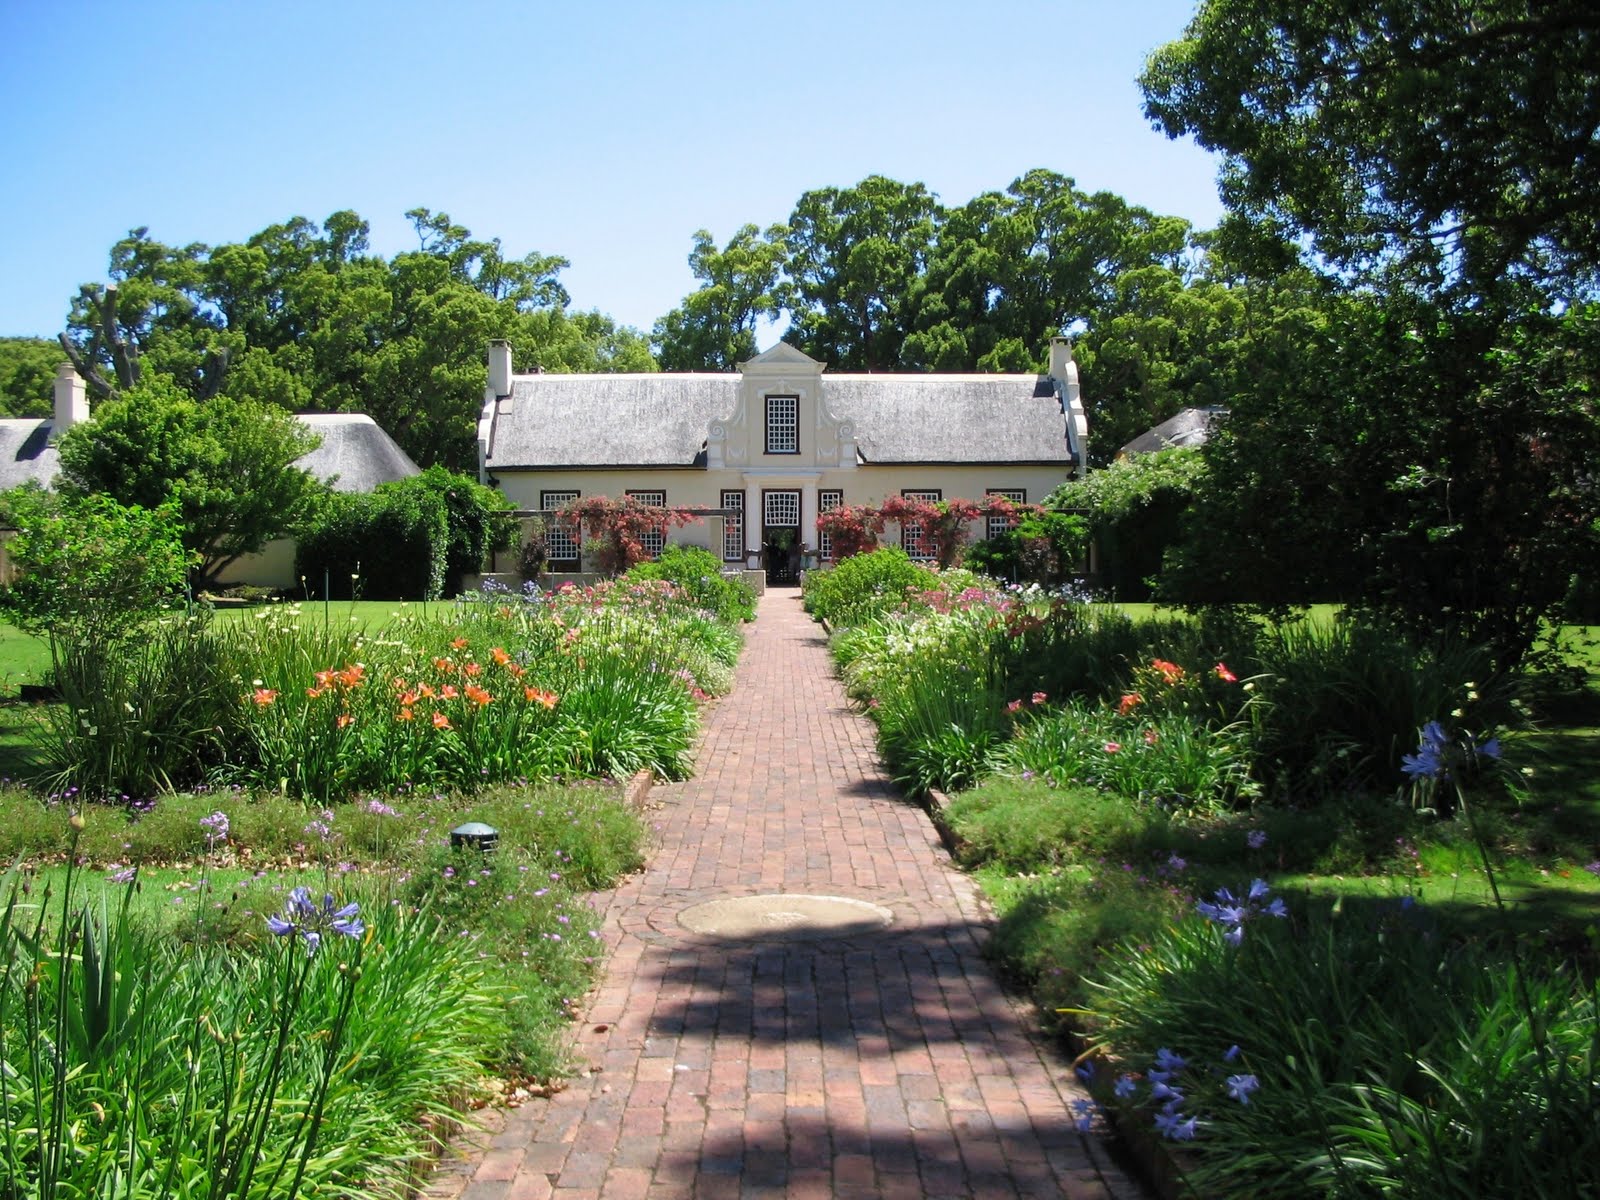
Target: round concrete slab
{"points": [[784, 917]]}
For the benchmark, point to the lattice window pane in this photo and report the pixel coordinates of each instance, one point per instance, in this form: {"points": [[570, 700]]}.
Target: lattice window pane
{"points": [[995, 526], [912, 537], [783, 424], [653, 542], [562, 536], [733, 527], [827, 500], [782, 508]]}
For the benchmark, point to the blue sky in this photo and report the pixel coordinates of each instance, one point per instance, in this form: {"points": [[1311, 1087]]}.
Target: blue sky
{"points": [[604, 132]]}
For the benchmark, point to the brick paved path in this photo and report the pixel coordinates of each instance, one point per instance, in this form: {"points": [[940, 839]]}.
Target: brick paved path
{"points": [[890, 1064]]}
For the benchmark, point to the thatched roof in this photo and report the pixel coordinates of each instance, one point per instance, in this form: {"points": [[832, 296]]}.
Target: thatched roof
{"points": [[356, 454], [950, 418], [608, 420], [661, 420], [1191, 427]]}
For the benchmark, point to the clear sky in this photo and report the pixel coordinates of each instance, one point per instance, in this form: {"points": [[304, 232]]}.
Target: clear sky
{"points": [[602, 131]]}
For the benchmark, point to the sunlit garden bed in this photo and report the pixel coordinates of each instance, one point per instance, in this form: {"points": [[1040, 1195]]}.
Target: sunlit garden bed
{"points": [[1315, 901], [244, 954]]}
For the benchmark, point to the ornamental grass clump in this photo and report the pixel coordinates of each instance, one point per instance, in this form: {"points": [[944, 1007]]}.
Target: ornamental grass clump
{"points": [[139, 1066], [1378, 1058]]}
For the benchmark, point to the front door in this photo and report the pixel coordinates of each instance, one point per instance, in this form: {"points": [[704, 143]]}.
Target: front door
{"points": [[780, 535]]}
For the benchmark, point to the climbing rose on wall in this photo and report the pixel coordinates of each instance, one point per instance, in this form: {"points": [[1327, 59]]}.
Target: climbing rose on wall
{"points": [[615, 529]]}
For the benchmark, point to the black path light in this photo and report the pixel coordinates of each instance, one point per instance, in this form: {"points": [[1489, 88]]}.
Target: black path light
{"points": [[475, 834]]}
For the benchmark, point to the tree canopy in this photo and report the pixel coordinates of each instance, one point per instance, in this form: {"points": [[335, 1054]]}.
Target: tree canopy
{"points": [[306, 318], [225, 467], [1458, 140]]}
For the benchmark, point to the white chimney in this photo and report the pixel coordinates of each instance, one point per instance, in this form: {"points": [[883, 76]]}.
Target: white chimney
{"points": [[499, 368], [1065, 374], [72, 401], [1060, 356]]}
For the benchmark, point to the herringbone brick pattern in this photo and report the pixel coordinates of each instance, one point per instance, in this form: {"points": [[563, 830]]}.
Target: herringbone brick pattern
{"points": [[886, 1065]]}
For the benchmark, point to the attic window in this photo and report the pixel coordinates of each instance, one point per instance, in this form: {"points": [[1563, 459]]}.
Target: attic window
{"points": [[783, 424]]}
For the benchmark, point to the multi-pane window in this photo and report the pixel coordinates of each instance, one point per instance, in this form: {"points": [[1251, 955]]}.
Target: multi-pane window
{"points": [[561, 534], [781, 509], [655, 540], [733, 527], [913, 538], [996, 525], [828, 499], [783, 424]]}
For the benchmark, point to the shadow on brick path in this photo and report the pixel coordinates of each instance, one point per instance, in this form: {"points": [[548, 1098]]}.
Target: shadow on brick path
{"points": [[882, 1064]]}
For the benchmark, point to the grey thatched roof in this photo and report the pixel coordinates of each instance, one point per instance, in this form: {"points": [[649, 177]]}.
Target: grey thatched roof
{"points": [[356, 455], [354, 448], [661, 420], [26, 453], [608, 420], [950, 418], [1191, 427]]}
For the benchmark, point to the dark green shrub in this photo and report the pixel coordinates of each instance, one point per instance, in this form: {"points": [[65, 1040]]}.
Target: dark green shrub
{"points": [[534, 551], [864, 586], [387, 546], [1044, 548], [477, 520], [698, 573]]}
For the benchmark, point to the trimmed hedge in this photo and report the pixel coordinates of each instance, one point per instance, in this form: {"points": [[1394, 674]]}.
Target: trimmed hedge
{"points": [[391, 545]]}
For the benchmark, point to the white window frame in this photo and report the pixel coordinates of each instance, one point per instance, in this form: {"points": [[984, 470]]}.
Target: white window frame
{"points": [[558, 530], [653, 543], [994, 526], [783, 424], [733, 547], [912, 540], [828, 499]]}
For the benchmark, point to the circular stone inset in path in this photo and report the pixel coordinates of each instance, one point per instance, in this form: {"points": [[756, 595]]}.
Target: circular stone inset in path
{"points": [[784, 917]]}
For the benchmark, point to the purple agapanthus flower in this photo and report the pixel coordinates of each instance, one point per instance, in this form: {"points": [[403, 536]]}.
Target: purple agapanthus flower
{"points": [[301, 915], [216, 825], [1232, 913], [1124, 1087], [1166, 1060], [1240, 1087]]}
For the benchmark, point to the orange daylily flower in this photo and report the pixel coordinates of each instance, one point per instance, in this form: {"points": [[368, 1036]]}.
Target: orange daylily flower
{"points": [[263, 697], [325, 678], [313, 693], [515, 671], [502, 612], [345, 719], [1170, 671], [459, 644], [407, 699], [500, 657], [540, 696], [472, 668], [443, 665], [440, 721], [478, 695], [398, 683], [448, 692], [1129, 701], [426, 692], [405, 714], [1224, 674]]}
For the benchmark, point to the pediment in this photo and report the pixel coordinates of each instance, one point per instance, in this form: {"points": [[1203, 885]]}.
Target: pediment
{"points": [[781, 356]]}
